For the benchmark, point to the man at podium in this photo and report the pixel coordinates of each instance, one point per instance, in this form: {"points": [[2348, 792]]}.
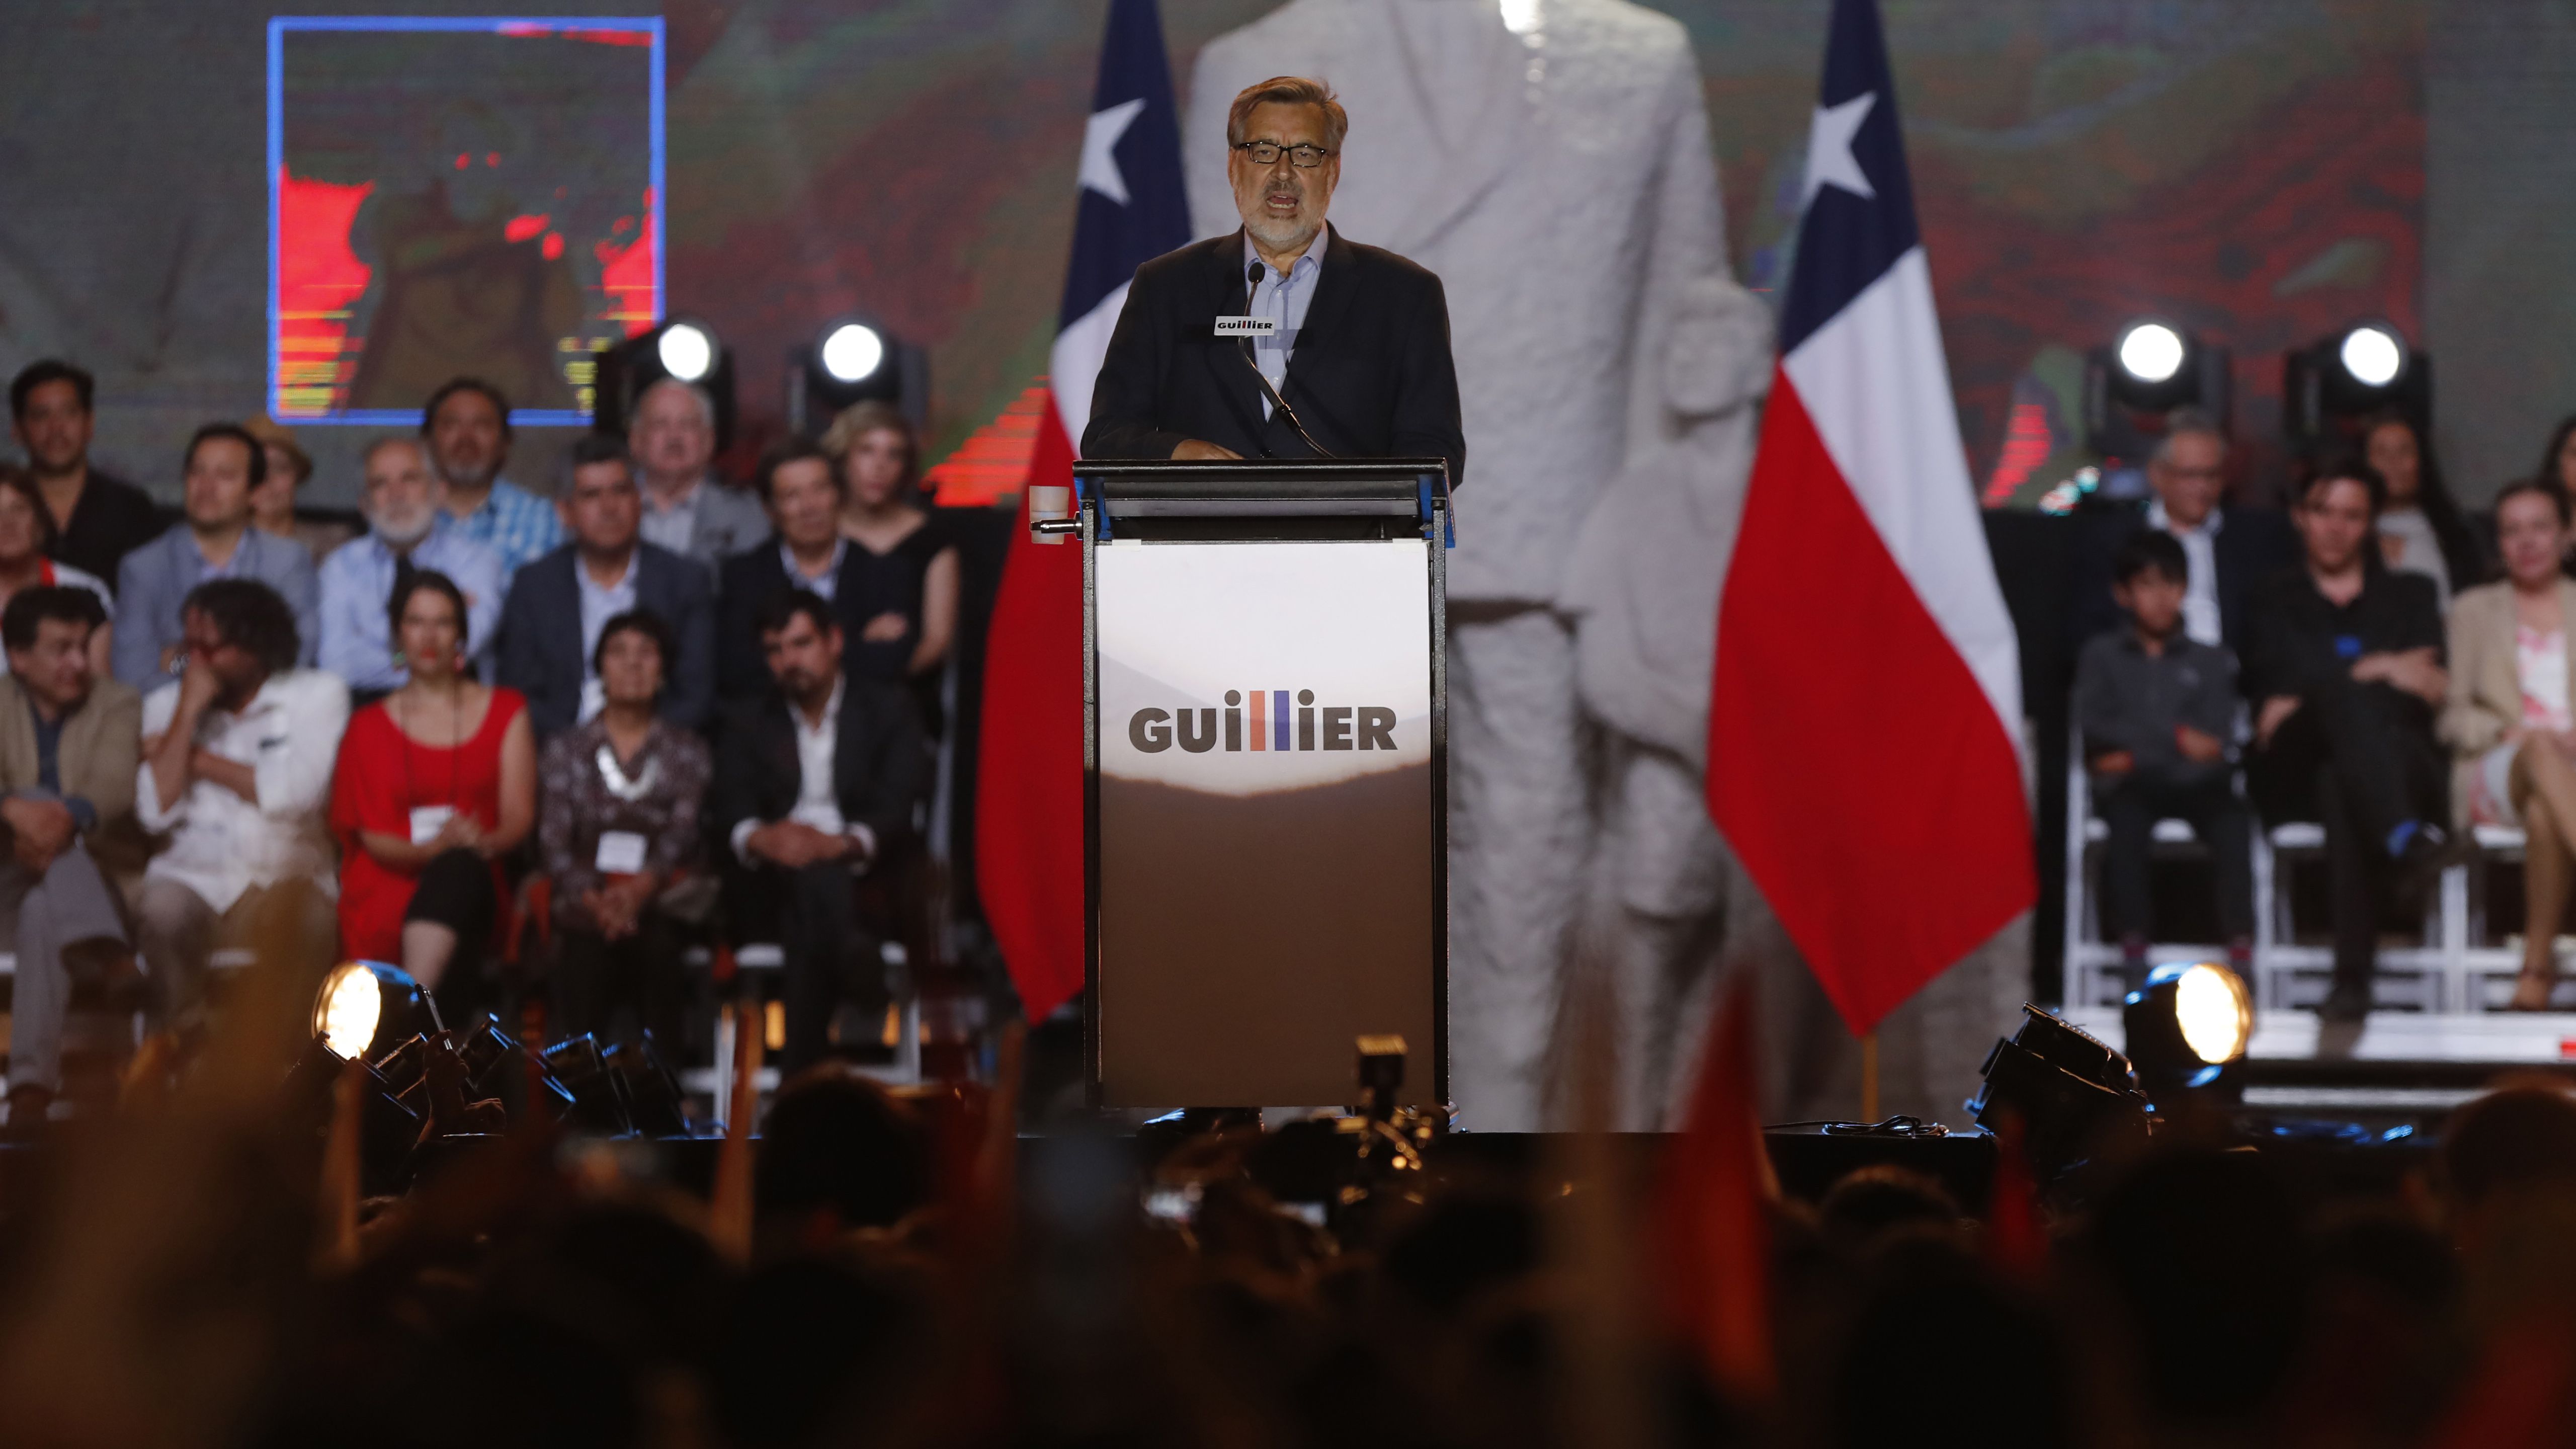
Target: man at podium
{"points": [[1282, 340]]}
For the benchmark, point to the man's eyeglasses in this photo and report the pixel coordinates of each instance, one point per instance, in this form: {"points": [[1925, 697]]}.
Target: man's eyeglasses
{"points": [[1266, 153]]}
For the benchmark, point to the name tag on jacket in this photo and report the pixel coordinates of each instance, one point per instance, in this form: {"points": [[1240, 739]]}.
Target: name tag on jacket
{"points": [[1246, 326]]}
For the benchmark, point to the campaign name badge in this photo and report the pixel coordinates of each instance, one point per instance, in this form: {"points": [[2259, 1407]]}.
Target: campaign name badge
{"points": [[621, 852], [428, 820], [1246, 326]]}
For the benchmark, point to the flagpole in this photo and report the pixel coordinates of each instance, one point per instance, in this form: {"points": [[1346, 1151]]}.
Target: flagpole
{"points": [[1869, 1076]]}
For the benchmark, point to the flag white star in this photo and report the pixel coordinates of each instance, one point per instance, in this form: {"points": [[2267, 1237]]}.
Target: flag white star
{"points": [[1829, 148], [1100, 148]]}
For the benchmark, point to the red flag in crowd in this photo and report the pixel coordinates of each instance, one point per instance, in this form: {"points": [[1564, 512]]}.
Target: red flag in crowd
{"points": [[1712, 1215]]}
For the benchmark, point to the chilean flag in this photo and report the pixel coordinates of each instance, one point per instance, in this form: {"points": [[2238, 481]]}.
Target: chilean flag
{"points": [[1865, 708], [1028, 812]]}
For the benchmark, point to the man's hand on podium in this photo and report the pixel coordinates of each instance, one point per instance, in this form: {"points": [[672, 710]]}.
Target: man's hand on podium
{"points": [[1191, 450]]}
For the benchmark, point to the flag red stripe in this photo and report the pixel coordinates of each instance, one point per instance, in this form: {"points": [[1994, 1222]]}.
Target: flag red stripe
{"points": [[1855, 765], [1028, 805]]}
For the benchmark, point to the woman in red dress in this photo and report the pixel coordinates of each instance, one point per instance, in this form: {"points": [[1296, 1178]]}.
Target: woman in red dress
{"points": [[435, 783]]}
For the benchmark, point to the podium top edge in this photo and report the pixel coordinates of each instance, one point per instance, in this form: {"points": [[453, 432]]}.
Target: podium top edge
{"points": [[1245, 471]]}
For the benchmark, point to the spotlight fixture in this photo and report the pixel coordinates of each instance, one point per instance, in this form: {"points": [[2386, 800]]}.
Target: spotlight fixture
{"points": [[2150, 353], [366, 1007], [2329, 386], [854, 359], [2372, 355], [853, 352], [686, 351], [2151, 367], [2186, 1026], [2075, 1096], [680, 349]]}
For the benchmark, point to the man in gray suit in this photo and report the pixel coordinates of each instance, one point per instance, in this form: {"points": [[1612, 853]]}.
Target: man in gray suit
{"points": [[68, 748], [215, 540], [673, 438]]}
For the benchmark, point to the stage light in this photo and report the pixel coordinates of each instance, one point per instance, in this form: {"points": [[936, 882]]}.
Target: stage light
{"points": [[687, 352], [853, 352], [2372, 354], [2186, 1026], [366, 1006], [2151, 367], [2151, 352], [2074, 1096], [2332, 387], [855, 358]]}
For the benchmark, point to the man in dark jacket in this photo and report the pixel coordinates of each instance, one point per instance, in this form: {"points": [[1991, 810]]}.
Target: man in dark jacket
{"points": [[815, 785], [1354, 339], [551, 622], [2229, 550]]}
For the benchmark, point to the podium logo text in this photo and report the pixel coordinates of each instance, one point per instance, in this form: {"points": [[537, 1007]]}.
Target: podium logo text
{"points": [[1264, 720]]}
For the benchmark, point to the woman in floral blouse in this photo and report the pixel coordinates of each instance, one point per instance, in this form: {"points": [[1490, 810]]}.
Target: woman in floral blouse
{"points": [[617, 827]]}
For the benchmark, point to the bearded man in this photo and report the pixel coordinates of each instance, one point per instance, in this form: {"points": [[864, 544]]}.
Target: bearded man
{"points": [[408, 531], [1354, 362]]}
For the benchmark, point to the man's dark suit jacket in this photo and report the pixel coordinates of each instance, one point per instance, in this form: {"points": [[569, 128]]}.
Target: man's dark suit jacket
{"points": [[1369, 374], [748, 580], [2252, 545], [879, 767], [539, 650]]}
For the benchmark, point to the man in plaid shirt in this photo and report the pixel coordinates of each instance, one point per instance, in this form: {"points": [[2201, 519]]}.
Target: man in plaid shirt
{"points": [[467, 428]]}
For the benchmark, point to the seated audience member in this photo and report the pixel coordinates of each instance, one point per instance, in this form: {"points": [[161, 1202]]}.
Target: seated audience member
{"points": [[551, 622], [2158, 710], [214, 541], [236, 774], [97, 520], [686, 508], [815, 784], [68, 737], [407, 533], [437, 781], [2230, 550], [2421, 531], [26, 531], [2508, 720], [802, 489], [467, 428], [908, 603], [617, 825], [2344, 663], [272, 503]]}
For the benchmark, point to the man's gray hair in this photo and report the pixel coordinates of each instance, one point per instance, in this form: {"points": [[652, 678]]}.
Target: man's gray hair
{"points": [[706, 400], [1288, 90], [2183, 423], [397, 440]]}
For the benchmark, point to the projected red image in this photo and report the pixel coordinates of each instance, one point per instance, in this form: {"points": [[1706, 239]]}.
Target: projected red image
{"points": [[460, 202]]}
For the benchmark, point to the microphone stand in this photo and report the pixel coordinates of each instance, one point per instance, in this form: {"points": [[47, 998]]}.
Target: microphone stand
{"points": [[1252, 280]]}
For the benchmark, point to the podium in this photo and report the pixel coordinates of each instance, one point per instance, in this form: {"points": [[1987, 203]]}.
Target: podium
{"points": [[1266, 775]]}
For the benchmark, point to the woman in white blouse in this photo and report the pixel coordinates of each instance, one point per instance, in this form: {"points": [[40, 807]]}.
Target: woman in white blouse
{"points": [[2508, 721]]}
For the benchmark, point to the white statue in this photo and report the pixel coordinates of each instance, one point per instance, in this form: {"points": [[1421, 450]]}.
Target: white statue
{"points": [[1550, 160], [1641, 589]]}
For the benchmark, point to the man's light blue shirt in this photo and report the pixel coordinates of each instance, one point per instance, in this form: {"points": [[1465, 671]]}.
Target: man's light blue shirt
{"points": [[154, 581], [517, 525], [1284, 299], [357, 592]]}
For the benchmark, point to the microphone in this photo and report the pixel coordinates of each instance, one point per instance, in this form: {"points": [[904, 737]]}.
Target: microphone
{"points": [[1252, 275]]}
